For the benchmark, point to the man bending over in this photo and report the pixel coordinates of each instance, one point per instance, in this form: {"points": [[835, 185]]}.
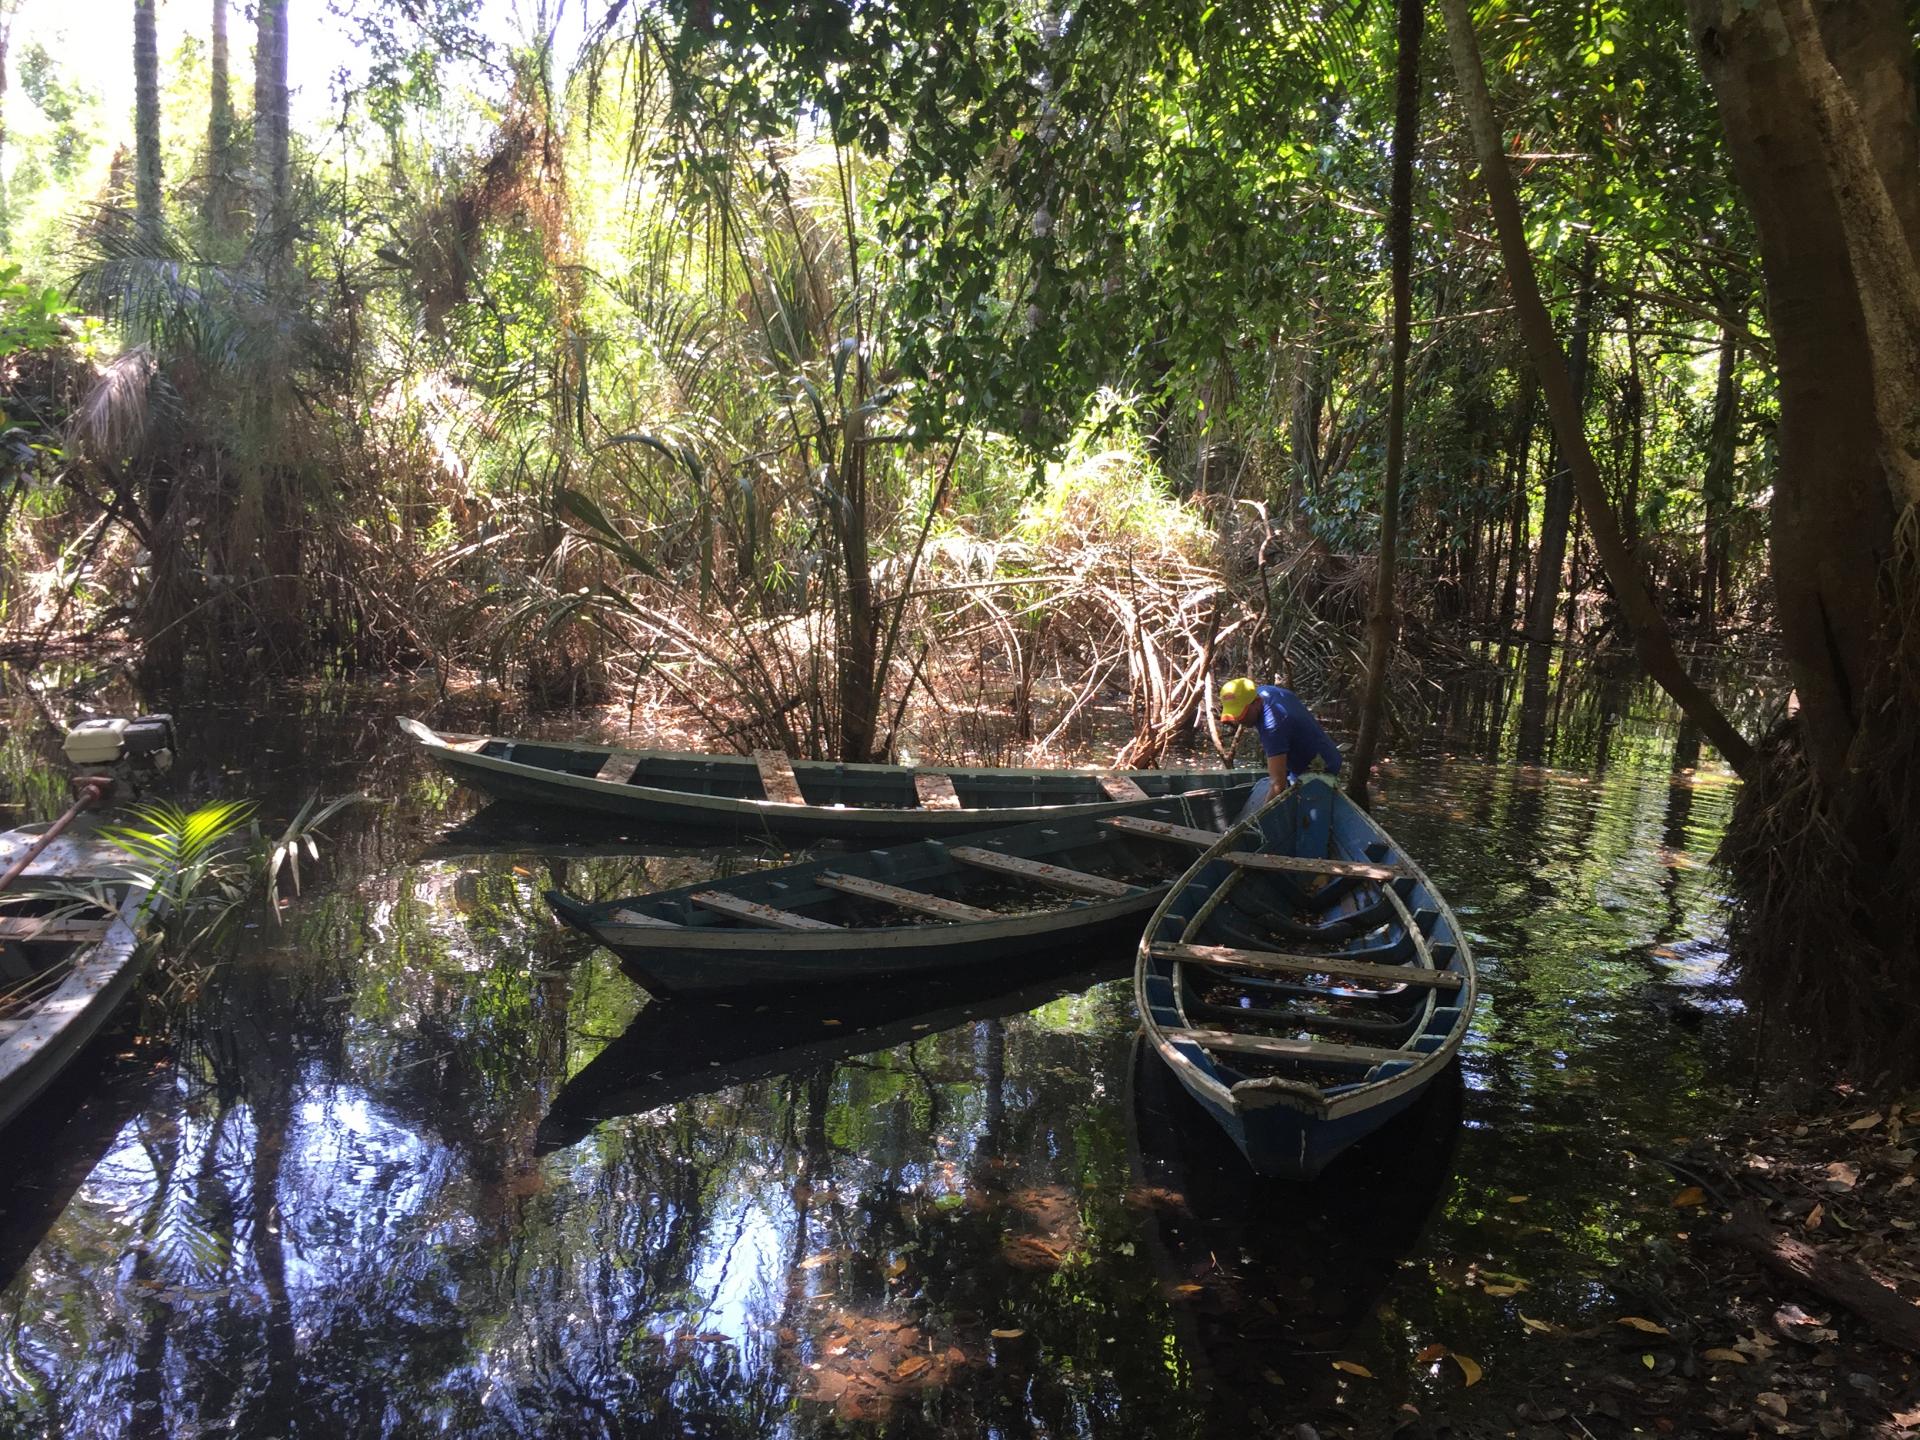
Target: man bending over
{"points": [[1292, 738]]}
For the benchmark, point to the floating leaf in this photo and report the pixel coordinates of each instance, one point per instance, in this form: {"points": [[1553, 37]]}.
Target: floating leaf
{"points": [[1469, 1368], [1188, 1289], [829, 1022], [1730, 1357], [910, 1367], [1502, 1291], [1867, 1122], [1518, 1199], [1008, 1334], [1542, 1327], [1433, 1352], [897, 1268], [814, 1262], [1692, 1195], [1647, 1360], [1815, 1216], [1353, 1368], [1645, 1327], [1272, 1376]]}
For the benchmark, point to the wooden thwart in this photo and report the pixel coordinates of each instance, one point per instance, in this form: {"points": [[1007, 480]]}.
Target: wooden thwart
{"points": [[618, 768], [1303, 865], [1272, 1047], [38, 927], [1231, 959], [777, 777], [1160, 830], [755, 913], [935, 905], [936, 790], [651, 922], [1058, 876], [1119, 787]]}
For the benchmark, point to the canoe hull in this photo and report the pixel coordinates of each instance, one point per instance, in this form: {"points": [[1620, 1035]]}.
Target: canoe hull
{"points": [[1050, 794]]}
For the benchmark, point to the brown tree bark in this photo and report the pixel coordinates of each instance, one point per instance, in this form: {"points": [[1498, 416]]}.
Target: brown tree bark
{"points": [[1410, 21], [1649, 626], [270, 124], [1832, 515], [146, 123], [1716, 485], [220, 157]]}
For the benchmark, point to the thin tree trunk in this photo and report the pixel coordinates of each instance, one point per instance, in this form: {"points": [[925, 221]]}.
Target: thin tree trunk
{"points": [[1717, 484], [1517, 524], [7, 10], [270, 137], [1649, 626], [1411, 18], [219, 211], [1634, 412], [1557, 508], [146, 123]]}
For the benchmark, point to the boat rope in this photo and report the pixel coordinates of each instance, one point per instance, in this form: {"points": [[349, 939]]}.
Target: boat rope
{"points": [[91, 790]]}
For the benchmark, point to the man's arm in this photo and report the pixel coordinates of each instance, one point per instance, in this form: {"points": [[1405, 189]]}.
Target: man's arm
{"points": [[1277, 769]]}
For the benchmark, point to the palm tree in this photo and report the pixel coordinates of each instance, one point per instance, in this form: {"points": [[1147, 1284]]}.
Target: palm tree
{"points": [[146, 121], [220, 157], [270, 117]]}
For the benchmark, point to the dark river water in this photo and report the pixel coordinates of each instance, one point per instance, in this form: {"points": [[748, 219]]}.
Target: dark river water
{"points": [[421, 1162]]}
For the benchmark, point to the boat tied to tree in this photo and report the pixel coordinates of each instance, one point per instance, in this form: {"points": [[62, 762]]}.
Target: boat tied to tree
{"points": [[768, 792], [1304, 981], [917, 908]]}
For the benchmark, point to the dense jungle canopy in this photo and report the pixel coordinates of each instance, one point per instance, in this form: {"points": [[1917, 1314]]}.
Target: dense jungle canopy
{"points": [[849, 373]]}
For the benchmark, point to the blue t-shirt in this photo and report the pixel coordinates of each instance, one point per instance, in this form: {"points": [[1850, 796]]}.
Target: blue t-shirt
{"points": [[1288, 728]]}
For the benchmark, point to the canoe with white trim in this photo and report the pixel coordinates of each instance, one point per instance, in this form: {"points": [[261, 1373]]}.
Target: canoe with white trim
{"points": [[767, 792], [913, 909], [1305, 981]]}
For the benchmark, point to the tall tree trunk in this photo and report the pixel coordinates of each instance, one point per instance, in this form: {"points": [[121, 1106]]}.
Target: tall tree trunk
{"points": [[270, 128], [146, 123], [1649, 626], [1717, 484], [7, 11], [220, 158], [1411, 20], [1556, 509], [1517, 523], [1633, 409]]}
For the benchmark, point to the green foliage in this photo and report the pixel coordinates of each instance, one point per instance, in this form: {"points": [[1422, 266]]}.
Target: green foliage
{"points": [[30, 316]]}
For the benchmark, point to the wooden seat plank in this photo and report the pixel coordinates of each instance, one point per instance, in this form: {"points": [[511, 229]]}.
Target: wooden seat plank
{"points": [[1161, 830], [649, 922], [1119, 787], [1058, 876], [777, 778], [935, 905], [1305, 865], [1229, 958], [936, 790], [618, 767], [755, 913], [1272, 1047], [39, 927]]}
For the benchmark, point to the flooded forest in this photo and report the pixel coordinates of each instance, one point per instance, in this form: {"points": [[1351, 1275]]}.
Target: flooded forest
{"points": [[628, 635]]}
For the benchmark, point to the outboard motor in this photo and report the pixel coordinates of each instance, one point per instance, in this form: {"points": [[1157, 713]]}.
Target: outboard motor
{"points": [[132, 755]]}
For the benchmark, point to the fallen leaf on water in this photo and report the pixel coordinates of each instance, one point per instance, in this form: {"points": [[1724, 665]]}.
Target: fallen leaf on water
{"points": [[814, 1262], [1867, 1122], [829, 1022], [1815, 1216], [910, 1367], [521, 870], [1433, 1352], [1008, 1334], [1731, 1357], [1692, 1195], [1542, 1327], [1272, 1376], [1353, 1369], [897, 1269], [1667, 952], [1518, 1199], [1188, 1289], [1469, 1368], [1645, 1327], [1647, 1360], [1501, 1291]]}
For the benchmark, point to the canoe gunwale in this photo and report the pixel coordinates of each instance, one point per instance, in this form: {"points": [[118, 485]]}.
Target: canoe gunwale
{"points": [[1259, 1093]]}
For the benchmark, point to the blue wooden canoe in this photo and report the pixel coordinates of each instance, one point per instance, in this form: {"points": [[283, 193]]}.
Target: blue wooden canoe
{"points": [[1304, 980]]}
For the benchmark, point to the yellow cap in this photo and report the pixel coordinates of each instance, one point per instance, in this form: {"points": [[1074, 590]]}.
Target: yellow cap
{"points": [[1235, 697]]}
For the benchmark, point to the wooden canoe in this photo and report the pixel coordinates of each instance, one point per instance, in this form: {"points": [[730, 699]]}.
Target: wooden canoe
{"points": [[769, 793], [912, 909], [1304, 981], [64, 968]]}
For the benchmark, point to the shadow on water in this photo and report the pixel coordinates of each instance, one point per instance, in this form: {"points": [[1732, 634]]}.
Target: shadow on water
{"points": [[422, 1160]]}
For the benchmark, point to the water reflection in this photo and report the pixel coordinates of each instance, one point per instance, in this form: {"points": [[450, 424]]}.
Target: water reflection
{"points": [[425, 1161]]}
